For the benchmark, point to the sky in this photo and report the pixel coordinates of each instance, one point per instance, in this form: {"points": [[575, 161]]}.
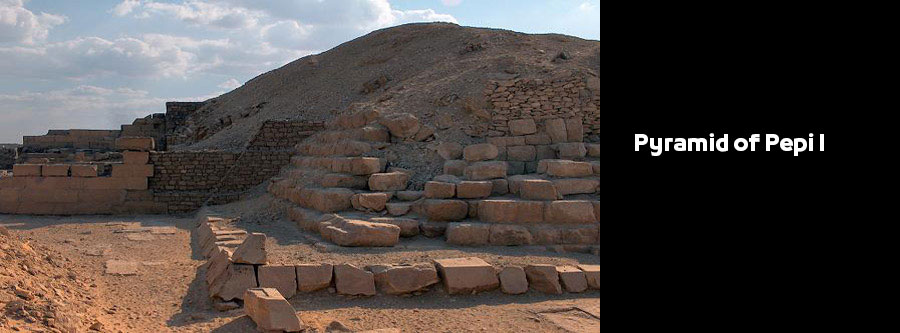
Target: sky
{"points": [[103, 63]]}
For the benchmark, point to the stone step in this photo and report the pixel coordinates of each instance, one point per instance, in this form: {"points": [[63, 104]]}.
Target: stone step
{"points": [[358, 166], [338, 148], [478, 233], [511, 210]]}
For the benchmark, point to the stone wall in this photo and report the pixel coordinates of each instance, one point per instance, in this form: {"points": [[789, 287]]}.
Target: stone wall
{"points": [[8, 154], [153, 126], [74, 139], [283, 134], [177, 114], [573, 97]]}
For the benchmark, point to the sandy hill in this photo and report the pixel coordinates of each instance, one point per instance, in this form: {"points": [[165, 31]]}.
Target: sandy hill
{"points": [[430, 70]]}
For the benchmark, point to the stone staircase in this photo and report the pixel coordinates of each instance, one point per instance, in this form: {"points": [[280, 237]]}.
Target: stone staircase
{"points": [[495, 193]]}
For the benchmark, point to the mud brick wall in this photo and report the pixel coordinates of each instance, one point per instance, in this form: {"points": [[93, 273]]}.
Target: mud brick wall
{"points": [[283, 134], [576, 96], [177, 114], [7, 156], [186, 180], [153, 126], [76, 139]]}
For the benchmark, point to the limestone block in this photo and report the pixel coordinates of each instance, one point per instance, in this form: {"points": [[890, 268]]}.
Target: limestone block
{"points": [[574, 130], [369, 201], [450, 150], [510, 211], [401, 125], [232, 283], [410, 195], [132, 170], [543, 278], [486, 170], [439, 190], [500, 186], [283, 278], [593, 149], [84, 170], [327, 199], [537, 189], [556, 129], [54, 170], [398, 208], [475, 189], [522, 127], [570, 212], [565, 168], [408, 227], [572, 279], [455, 167], [568, 186], [344, 180], [480, 152], [135, 143], [403, 279], [270, 311], [446, 210], [312, 277], [571, 150], [136, 157], [433, 229], [467, 275], [26, 170], [345, 232], [360, 166], [508, 235], [390, 181], [592, 275], [537, 139], [468, 234], [350, 280], [503, 141], [513, 280], [520, 153], [252, 250], [582, 234]]}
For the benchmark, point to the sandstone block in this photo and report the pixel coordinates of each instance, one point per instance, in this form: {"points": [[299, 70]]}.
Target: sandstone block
{"points": [[327, 199], [583, 234], [513, 280], [556, 129], [270, 311], [543, 278], [503, 141], [474, 189], [510, 211], [136, 157], [544, 152], [537, 139], [401, 125], [282, 278], [572, 279], [232, 283], [346, 232], [593, 149], [343, 180], [26, 170], [369, 201], [439, 190], [569, 212], [54, 170], [410, 195], [571, 150], [432, 229], [522, 127], [84, 170], [546, 235], [390, 181], [592, 275], [480, 152], [132, 170], [467, 275], [486, 170], [468, 234], [450, 150], [252, 250], [508, 235], [446, 210], [408, 227], [350, 280], [574, 130], [537, 189], [403, 279], [568, 186], [447, 179], [135, 143], [455, 167], [565, 168], [521, 153], [398, 209], [217, 264], [312, 277], [360, 166], [500, 186]]}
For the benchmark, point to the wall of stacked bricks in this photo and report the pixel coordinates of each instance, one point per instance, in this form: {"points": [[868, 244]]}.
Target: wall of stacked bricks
{"points": [[575, 97], [177, 114], [153, 126], [75, 138], [283, 134], [7, 156]]}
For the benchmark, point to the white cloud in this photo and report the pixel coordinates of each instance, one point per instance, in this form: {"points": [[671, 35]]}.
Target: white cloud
{"points": [[451, 2], [231, 84], [587, 7], [206, 13], [20, 25], [125, 7]]}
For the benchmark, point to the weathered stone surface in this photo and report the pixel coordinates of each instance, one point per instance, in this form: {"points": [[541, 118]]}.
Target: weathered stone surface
{"points": [[572, 279], [468, 234], [131, 170], [26, 170], [520, 153], [568, 186], [55, 170], [569, 212], [283, 278], [537, 139], [582, 234], [574, 129], [544, 152], [401, 125], [543, 278], [312, 277], [450, 150], [252, 250], [369, 201], [232, 283], [389, 181], [515, 182], [446, 210], [345, 232], [507, 235], [433, 229], [359, 166], [121, 267], [510, 211], [486, 170], [513, 280], [136, 157], [455, 167], [474, 189], [398, 209], [593, 149], [350, 280], [592, 275], [84, 170], [217, 264], [556, 129], [270, 311], [522, 127], [403, 279], [480, 152], [571, 150], [545, 235], [537, 189], [408, 227], [135, 143], [326, 200], [447, 179], [596, 210], [410, 195], [595, 167], [344, 180], [565, 168], [439, 190], [467, 275], [500, 186]]}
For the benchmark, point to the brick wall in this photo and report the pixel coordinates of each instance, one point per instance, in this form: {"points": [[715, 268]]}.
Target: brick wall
{"points": [[153, 126], [283, 134], [7, 156], [76, 139]]}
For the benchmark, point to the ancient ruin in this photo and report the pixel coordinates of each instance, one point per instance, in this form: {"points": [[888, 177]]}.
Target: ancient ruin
{"points": [[470, 170]]}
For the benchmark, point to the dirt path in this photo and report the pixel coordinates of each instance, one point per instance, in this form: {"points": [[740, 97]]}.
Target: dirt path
{"points": [[167, 293]]}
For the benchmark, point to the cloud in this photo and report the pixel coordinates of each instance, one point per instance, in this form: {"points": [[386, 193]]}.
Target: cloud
{"points": [[125, 7], [84, 106], [451, 2], [20, 25], [231, 84], [587, 7], [205, 13]]}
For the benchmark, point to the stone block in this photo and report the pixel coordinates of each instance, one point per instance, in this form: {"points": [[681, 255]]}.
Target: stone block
{"points": [[503, 141], [565, 168], [480, 152], [513, 280], [556, 129], [568, 186], [592, 275], [582, 234], [135, 143], [446, 210], [361, 166], [350, 280], [474, 189], [570, 212], [544, 152], [572, 279], [132, 170], [327, 200], [346, 232], [403, 279], [515, 168], [401, 125], [543, 278], [252, 250], [593, 149], [232, 283], [433, 229], [468, 234], [574, 130], [439, 190], [408, 227], [369, 201], [283, 278], [537, 139], [486, 170], [510, 211], [270, 311], [54, 170], [344, 181], [537, 189], [390, 181], [450, 150], [500, 186], [136, 157], [509, 235], [571, 150], [398, 209], [522, 127], [520, 153], [110, 183], [467, 275], [84, 170], [455, 167], [312, 277]]}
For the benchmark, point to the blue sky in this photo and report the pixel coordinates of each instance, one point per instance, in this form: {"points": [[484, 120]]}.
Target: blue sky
{"points": [[102, 63]]}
